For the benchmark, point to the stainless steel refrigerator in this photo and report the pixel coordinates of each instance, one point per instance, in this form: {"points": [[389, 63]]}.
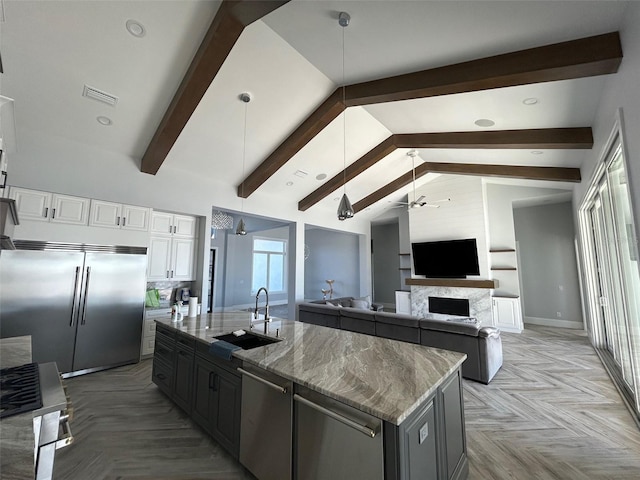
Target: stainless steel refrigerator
{"points": [[83, 305]]}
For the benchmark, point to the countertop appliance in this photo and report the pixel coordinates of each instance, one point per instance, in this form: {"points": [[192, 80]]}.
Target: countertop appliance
{"points": [[83, 305], [37, 389]]}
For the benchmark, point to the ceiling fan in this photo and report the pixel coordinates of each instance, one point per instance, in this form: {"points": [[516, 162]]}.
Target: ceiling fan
{"points": [[420, 201]]}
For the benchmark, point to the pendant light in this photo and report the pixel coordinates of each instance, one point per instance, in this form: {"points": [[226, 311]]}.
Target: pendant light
{"points": [[241, 228], [345, 210]]}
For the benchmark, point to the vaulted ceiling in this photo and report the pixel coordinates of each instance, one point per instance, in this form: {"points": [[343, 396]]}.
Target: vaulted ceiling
{"points": [[417, 75]]}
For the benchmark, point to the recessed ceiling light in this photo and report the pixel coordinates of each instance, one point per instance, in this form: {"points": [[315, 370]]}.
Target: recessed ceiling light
{"points": [[537, 152], [530, 101], [300, 173], [106, 121], [321, 176], [289, 183], [484, 122], [135, 28]]}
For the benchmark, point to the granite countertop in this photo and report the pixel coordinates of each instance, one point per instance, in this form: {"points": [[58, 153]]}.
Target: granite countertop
{"points": [[385, 378], [16, 448]]}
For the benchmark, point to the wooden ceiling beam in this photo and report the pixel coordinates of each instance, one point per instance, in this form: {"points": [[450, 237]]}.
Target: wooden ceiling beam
{"points": [[322, 116], [585, 57], [543, 138], [557, 174], [598, 55], [225, 29], [369, 159]]}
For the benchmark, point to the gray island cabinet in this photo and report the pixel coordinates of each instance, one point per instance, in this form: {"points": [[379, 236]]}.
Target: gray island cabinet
{"points": [[320, 403]]}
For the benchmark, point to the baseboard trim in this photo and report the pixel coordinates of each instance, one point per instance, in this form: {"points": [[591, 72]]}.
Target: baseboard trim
{"points": [[553, 322]]}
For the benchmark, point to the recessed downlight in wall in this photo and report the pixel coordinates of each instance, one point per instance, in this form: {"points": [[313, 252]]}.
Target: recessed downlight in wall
{"points": [[289, 183], [536, 152], [530, 101], [321, 176], [106, 121], [484, 122], [135, 28]]}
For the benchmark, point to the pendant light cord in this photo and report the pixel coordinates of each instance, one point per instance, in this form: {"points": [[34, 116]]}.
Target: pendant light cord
{"points": [[344, 122]]}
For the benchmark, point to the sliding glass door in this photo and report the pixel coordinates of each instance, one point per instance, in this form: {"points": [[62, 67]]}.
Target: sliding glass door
{"points": [[610, 251]]}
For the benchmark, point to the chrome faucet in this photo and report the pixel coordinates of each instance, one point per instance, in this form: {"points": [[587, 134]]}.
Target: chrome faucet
{"points": [[267, 320]]}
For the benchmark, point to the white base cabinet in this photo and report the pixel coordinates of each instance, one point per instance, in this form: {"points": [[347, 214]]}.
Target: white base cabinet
{"points": [[507, 314]]}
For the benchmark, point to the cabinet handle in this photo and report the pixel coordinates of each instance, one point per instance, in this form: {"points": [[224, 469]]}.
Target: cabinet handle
{"points": [[167, 273], [46, 212], [175, 229], [124, 221], [118, 221], [170, 229], [212, 381], [161, 376], [262, 380], [53, 213], [171, 273], [368, 431]]}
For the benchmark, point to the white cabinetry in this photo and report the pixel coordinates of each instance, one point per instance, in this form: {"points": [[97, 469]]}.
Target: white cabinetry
{"points": [[507, 314], [403, 302], [50, 207], [171, 255], [169, 224], [116, 215]]}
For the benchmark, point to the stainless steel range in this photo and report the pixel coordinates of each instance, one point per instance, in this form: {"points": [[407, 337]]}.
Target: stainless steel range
{"points": [[38, 388]]}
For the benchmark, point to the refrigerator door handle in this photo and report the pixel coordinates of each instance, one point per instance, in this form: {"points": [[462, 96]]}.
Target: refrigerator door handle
{"points": [[75, 296], [84, 300]]}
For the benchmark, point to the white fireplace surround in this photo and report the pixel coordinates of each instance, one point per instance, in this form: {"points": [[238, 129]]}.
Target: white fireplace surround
{"points": [[479, 301]]}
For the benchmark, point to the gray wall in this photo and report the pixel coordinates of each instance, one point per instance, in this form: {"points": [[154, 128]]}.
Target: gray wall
{"points": [[332, 256], [545, 236], [385, 262]]}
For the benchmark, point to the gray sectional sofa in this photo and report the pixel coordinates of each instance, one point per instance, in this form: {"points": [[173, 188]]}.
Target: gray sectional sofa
{"points": [[482, 345]]}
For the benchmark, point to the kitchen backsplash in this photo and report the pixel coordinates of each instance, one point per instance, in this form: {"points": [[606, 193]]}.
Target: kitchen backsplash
{"points": [[168, 292]]}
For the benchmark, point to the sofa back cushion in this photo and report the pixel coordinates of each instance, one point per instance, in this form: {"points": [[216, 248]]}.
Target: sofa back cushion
{"points": [[357, 320], [470, 329]]}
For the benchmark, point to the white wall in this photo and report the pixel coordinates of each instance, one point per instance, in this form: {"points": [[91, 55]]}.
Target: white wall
{"points": [[462, 217], [386, 261]]}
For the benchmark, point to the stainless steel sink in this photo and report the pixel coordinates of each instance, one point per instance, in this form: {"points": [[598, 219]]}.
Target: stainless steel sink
{"points": [[248, 340]]}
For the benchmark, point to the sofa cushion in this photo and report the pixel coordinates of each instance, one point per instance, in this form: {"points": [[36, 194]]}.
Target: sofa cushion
{"points": [[397, 319], [470, 329], [360, 304], [357, 320], [358, 313]]}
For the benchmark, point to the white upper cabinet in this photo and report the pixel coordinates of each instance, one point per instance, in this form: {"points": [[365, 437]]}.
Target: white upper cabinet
{"points": [[163, 223], [50, 207], [116, 215]]}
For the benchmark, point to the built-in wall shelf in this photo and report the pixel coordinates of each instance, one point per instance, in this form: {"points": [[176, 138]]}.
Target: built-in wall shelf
{"points": [[403, 268], [501, 250], [452, 282], [404, 254], [504, 268], [504, 296]]}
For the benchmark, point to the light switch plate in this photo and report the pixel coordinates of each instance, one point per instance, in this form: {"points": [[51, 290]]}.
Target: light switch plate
{"points": [[424, 433]]}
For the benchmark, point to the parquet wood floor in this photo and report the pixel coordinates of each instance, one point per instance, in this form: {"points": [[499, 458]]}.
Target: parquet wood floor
{"points": [[550, 413]]}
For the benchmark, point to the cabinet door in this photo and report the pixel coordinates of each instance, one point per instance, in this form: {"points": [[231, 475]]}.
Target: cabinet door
{"points": [[135, 218], [67, 209], [159, 256], [453, 419], [105, 214], [182, 258], [31, 204], [161, 223], [420, 445], [184, 226], [202, 399], [506, 314], [225, 414], [183, 377], [403, 302]]}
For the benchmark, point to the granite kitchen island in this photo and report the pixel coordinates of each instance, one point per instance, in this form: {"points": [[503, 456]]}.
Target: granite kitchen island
{"points": [[402, 402]]}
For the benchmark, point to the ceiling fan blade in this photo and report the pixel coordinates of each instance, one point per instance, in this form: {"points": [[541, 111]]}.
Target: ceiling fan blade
{"points": [[419, 199], [430, 205]]}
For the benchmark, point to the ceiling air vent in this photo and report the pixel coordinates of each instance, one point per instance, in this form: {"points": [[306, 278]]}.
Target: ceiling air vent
{"points": [[100, 96]]}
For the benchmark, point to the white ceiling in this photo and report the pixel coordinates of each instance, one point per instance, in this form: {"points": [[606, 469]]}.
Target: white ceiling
{"points": [[290, 62]]}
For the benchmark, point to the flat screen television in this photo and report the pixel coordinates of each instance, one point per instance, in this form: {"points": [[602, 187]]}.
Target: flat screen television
{"points": [[446, 259]]}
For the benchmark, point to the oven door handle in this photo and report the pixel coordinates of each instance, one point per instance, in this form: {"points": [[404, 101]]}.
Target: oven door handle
{"points": [[67, 436]]}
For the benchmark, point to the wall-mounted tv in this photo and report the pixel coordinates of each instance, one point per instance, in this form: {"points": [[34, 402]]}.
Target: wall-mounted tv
{"points": [[446, 259]]}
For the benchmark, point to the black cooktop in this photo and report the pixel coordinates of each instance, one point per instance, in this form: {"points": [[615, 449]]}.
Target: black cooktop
{"points": [[19, 389]]}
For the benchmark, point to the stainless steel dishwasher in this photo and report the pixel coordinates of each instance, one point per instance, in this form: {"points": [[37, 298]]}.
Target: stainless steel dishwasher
{"points": [[335, 441], [266, 424]]}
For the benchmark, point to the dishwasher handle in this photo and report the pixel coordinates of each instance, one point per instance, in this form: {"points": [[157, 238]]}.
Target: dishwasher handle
{"points": [[368, 431], [279, 388]]}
